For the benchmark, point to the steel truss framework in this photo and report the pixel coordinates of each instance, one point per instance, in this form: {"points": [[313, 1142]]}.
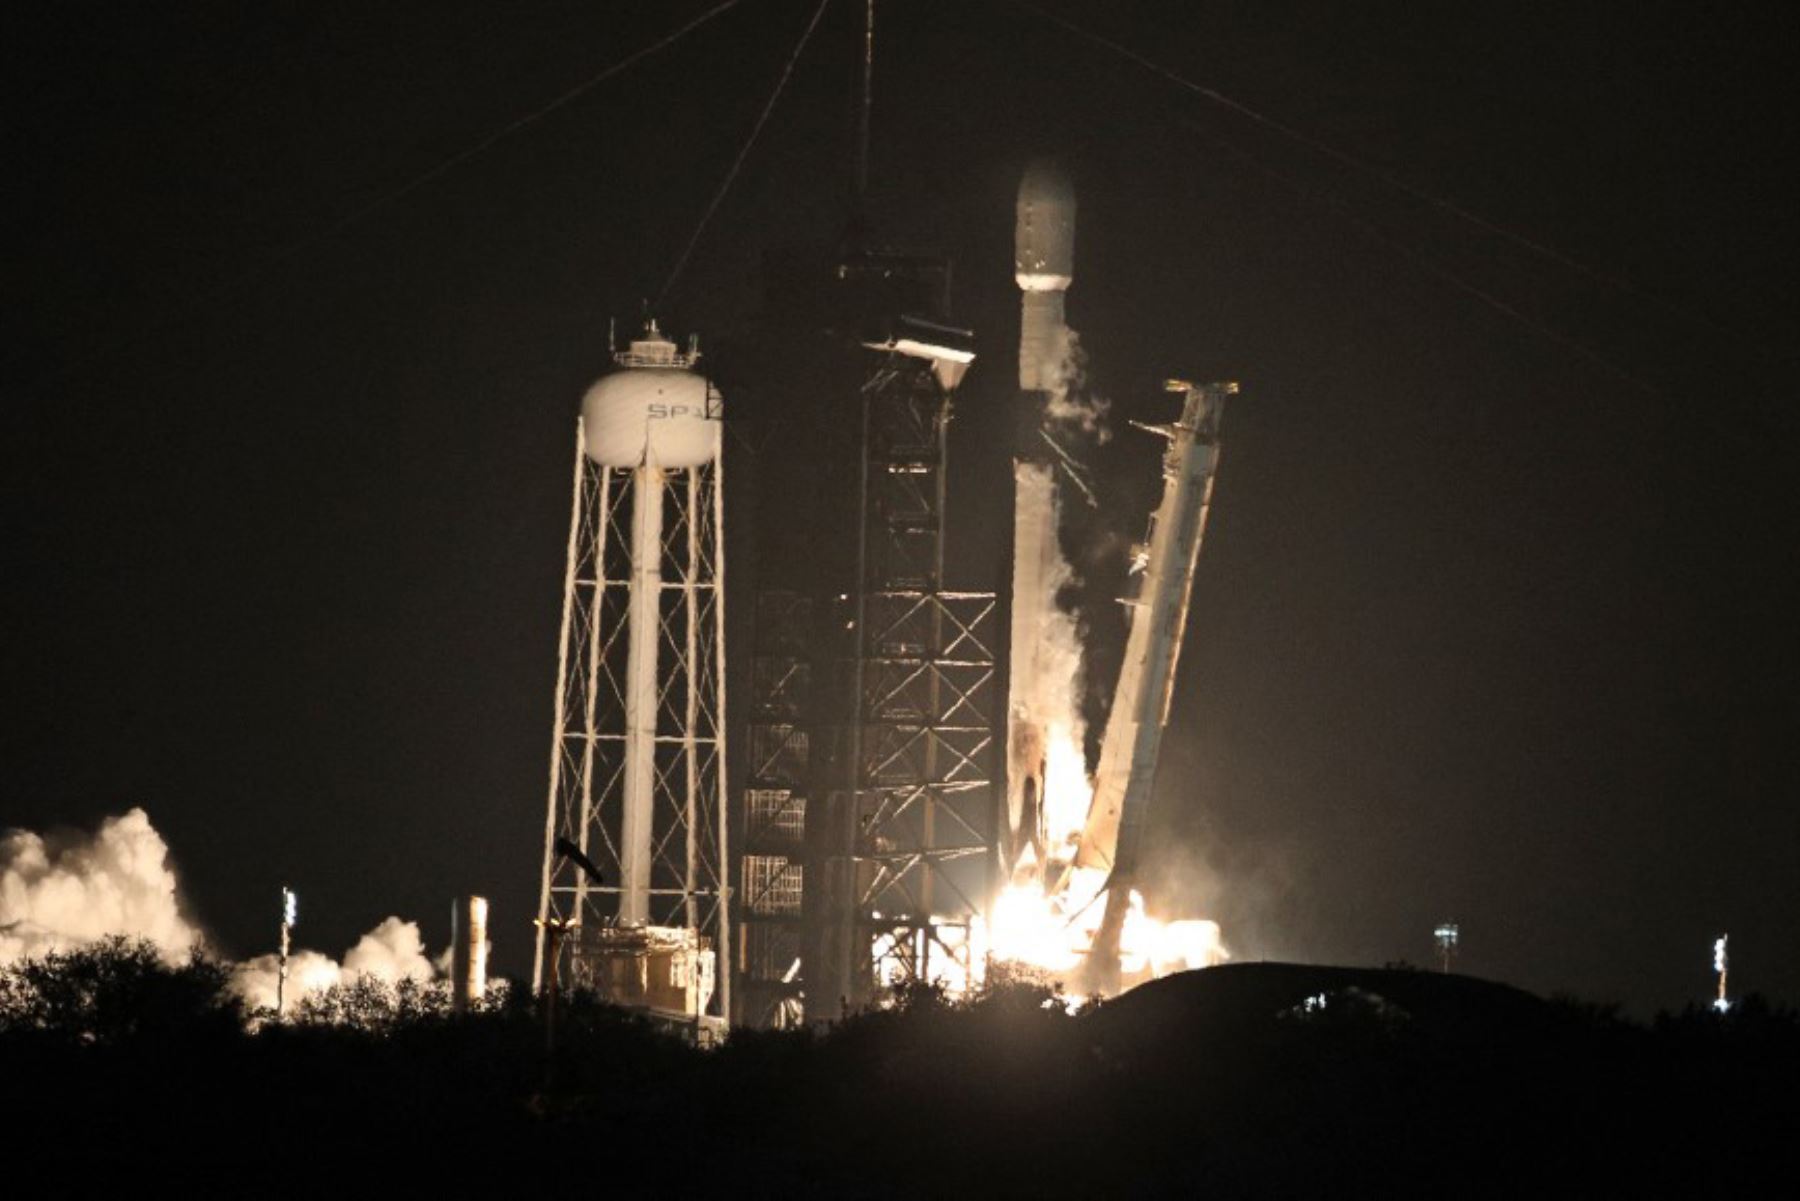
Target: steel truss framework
{"points": [[773, 816], [909, 852], [682, 881], [925, 816]]}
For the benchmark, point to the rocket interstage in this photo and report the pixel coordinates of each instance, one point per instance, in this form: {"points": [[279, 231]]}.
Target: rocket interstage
{"points": [[1044, 265]]}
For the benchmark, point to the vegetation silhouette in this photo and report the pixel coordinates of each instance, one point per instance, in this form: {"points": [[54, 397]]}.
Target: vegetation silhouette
{"points": [[1241, 1081]]}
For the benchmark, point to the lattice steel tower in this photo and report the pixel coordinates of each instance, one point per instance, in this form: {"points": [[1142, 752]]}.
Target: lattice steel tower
{"points": [[906, 851], [637, 768], [869, 820]]}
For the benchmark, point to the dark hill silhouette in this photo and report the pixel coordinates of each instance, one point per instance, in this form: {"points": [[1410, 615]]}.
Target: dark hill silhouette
{"points": [[1222, 1083], [1237, 993]]}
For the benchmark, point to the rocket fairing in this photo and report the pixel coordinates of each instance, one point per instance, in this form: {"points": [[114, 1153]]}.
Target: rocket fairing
{"points": [[1044, 265]]}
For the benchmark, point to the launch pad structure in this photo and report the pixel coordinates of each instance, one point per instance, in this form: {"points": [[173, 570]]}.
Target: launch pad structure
{"points": [[866, 823], [867, 848], [869, 815], [868, 840], [910, 831]]}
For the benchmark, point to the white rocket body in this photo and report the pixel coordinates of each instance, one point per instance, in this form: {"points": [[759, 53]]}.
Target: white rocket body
{"points": [[1044, 265], [1038, 571]]}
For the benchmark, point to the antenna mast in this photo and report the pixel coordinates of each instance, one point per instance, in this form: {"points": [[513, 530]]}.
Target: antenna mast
{"points": [[867, 103]]}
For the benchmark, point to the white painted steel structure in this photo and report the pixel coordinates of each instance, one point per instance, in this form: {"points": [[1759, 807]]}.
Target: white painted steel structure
{"points": [[637, 768]]}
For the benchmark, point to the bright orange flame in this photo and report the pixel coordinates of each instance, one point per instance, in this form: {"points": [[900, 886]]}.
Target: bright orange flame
{"points": [[1047, 919]]}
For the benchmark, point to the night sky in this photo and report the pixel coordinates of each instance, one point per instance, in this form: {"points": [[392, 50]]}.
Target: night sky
{"points": [[1490, 622]]}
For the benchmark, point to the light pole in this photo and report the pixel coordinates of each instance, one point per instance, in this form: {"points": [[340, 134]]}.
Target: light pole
{"points": [[290, 913]]}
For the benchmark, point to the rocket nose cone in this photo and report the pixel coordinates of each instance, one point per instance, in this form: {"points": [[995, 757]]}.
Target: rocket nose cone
{"points": [[1044, 235], [1045, 183]]}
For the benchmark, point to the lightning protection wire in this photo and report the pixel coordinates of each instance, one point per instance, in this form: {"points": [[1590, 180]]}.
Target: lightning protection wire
{"points": [[1389, 179], [743, 153], [1432, 267], [393, 195], [579, 90]]}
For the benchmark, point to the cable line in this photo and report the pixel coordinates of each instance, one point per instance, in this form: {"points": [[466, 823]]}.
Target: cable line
{"points": [[1434, 268], [1391, 180], [456, 160], [743, 153], [388, 198]]}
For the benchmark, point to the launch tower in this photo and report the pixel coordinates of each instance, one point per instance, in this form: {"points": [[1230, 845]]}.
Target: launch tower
{"points": [[867, 825], [868, 815], [911, 823]]}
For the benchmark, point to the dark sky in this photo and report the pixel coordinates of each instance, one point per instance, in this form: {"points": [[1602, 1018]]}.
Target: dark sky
{"points": [[1490, 622]]}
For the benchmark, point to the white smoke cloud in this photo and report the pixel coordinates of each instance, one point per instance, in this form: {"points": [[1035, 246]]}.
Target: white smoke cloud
{"points": [[391, 952], [65, 890], [1069, 408], [258, 980]]}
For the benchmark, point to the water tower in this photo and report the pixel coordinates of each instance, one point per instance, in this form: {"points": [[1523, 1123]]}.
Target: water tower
{"points": [[637, 768]]}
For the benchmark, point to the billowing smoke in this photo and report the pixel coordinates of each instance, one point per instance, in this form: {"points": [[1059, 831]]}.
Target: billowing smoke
{"points": [[391, 952], [65, 890], [1069, 408]]}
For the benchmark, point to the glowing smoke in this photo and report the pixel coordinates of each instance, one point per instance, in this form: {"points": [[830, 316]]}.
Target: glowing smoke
{"points": [[65, 891]]}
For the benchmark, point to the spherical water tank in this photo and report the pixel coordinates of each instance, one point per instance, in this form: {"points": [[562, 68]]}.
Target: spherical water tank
{"points": [[666, 416]]}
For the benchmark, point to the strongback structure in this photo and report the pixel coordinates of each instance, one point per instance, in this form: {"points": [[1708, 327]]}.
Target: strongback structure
{"points": [[1140, 711], [637, 780]]}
